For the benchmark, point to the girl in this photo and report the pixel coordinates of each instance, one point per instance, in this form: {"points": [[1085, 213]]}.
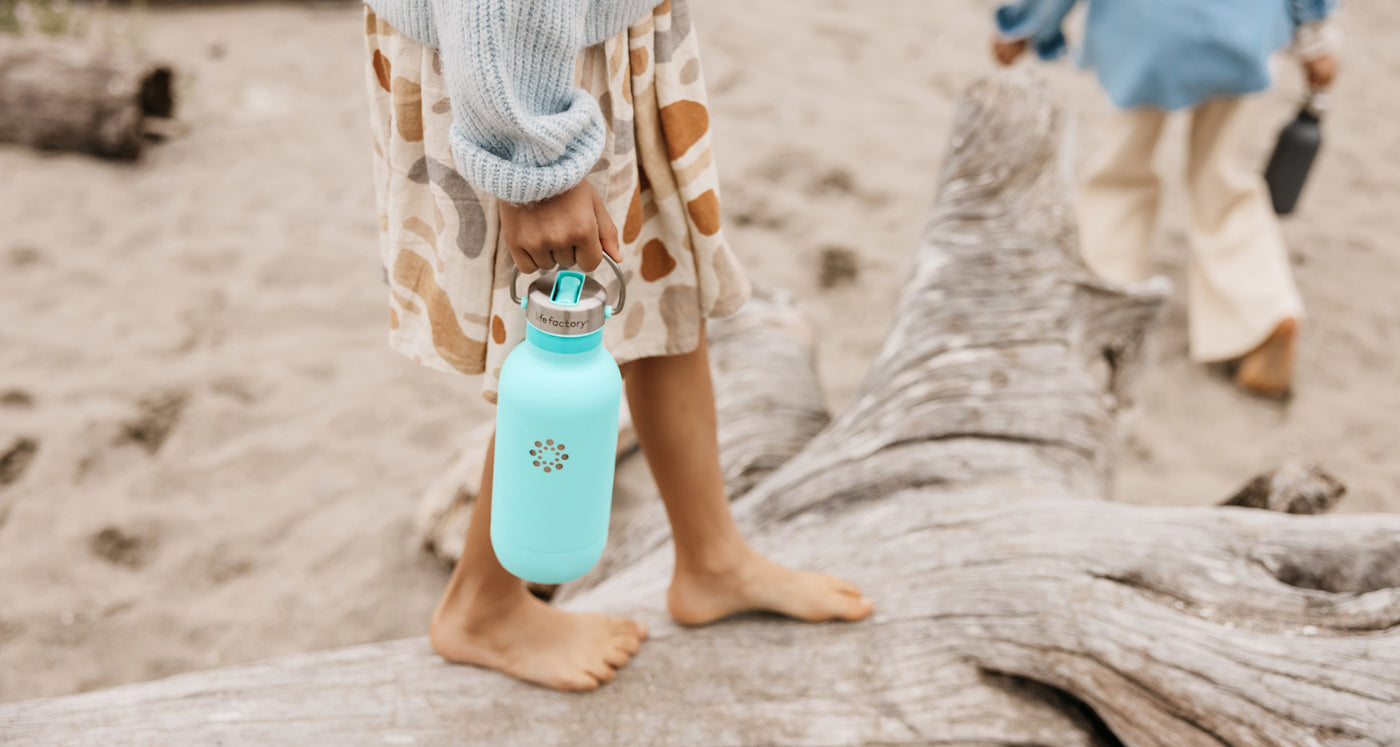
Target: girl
{"points": [[522, 133], [1153, 56]]}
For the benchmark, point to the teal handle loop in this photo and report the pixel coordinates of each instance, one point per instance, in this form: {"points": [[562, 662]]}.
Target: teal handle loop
{"points": [[612, 310]]}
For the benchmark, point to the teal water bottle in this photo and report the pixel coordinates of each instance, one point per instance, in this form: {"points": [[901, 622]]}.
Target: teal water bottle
{"points": [[557, 412]]}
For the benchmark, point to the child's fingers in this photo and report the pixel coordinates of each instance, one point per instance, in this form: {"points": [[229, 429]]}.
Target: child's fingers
{"points": [[607, 230], [1006, 52], [590, 254], [542, 257], [565, 256], [1320, 71], [523, 260]]}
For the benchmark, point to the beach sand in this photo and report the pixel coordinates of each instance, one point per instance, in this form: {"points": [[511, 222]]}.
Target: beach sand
{"points": [[229, 456]]}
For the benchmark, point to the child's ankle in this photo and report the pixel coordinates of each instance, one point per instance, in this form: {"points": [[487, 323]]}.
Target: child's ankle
{"points": [[469, 604], [713, 558]]}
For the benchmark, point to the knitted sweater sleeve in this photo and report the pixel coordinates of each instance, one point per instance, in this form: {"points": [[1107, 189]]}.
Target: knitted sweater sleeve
{"points": [[521, 129]]}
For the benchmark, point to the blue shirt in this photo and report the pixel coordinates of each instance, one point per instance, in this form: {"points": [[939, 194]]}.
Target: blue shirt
{"points": [[1168, 53]]}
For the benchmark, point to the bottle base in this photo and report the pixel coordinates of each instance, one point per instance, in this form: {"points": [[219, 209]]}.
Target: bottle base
{"points": [[546, 567]]}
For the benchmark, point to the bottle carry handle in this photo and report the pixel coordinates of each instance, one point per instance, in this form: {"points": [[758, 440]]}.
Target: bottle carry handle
{"points": [[621, 285]]}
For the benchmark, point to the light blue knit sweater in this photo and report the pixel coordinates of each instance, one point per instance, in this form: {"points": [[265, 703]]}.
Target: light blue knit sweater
{"points": [[521, 129]]}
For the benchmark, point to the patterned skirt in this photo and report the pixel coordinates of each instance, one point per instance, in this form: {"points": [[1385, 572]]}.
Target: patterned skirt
{"points": [[440, 240]]}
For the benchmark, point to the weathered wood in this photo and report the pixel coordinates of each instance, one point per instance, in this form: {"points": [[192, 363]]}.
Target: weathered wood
{"points": [[768, 401], [61, 95], [958, 489]]}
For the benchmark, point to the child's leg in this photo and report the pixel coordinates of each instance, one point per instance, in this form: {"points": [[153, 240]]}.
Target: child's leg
{"points": [[1118, 197], [1240, 283], [717, 573], [487, 618]]}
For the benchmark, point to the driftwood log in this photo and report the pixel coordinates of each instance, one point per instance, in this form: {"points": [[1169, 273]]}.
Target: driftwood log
{"points": [[964, 488], [60, 95]]}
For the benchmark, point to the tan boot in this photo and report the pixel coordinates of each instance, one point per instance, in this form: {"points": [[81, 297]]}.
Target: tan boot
{"points": [[1268, 369]]}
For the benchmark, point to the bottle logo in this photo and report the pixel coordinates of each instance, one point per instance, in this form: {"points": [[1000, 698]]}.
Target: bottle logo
{"points": [[549, 456], [562, 323]]}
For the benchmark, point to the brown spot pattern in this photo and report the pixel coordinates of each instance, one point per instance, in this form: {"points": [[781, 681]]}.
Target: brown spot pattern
{"points": [[609, 120], [657, 263], [704, 212], [405, 303], [677, 305], [443, 106], [408, 109], [635, 318], [690, 72], [420, 228], [498, 330], [632, 227], [640, 56], [393, 318], [381, 69], [452, 344], [683, 124]]}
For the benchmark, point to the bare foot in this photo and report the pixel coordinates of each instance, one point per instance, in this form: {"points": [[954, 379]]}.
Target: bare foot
{"points": [[1268, 369], [528, 639], [753, 582]]}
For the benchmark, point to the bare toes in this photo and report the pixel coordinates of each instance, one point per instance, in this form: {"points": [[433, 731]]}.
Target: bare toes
{"points": [[629, 628], [582, 682], [602, 673], [844, 586], [618, 655], [858, 608]]}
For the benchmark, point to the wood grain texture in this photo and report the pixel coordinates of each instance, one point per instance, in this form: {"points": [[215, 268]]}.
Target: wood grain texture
{"points": [[60, 95], [963, 489]]}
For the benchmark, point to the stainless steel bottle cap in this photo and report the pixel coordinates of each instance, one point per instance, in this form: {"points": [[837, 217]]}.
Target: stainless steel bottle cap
{"points": [[567, 302]]}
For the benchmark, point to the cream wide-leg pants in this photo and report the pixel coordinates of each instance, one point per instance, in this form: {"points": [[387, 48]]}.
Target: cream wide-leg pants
{"points": [[1239, 284]]}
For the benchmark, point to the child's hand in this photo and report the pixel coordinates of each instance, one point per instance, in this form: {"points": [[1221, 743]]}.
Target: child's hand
{"points": [[570, 227], [1006, 52], [1320, 71]]}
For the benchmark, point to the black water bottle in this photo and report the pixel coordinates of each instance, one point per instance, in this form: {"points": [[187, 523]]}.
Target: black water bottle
{"points": [[1293, 156]]}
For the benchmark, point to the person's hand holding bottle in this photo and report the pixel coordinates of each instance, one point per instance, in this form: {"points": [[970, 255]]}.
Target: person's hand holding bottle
{"points": [[570, 227], [1320, 71], [1007, 51]]}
